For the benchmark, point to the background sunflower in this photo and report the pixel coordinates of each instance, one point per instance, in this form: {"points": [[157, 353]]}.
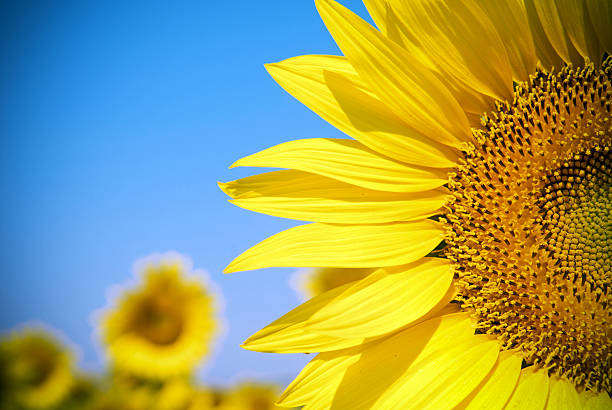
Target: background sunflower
{"points": [[116, 121], [36, 369], [153, 368], [165, 325]]}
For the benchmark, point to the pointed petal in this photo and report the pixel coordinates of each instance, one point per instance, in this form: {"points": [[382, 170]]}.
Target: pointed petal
{"points": [[497, 387], [435, 364], [600, 13], [544, 50], [531, 391], [579, 29], [510, 19], [385, 300], [551, 23], [310, 197], [471, 101], [316, 384], [348, 161], [330, 87], [463, 41], [438, 386], [289, 333], [562, 395], [349, 246], [286, 334], [377, 9], [396, 31], [404, 84], [421, 357]]}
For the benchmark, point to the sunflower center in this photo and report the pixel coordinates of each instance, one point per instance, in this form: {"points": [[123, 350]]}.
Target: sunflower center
{"points": [[159, 320], [530, 225], [36, 364]]}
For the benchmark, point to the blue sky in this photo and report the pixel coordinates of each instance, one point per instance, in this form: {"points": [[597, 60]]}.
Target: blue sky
{"points": [[117, 121]]}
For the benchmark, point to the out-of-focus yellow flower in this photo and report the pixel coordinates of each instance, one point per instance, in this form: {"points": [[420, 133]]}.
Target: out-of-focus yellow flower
{"points": [[165, 325], [119, 399], [312, 282], [178, 394], [35, 369], [85, 388], [126, 391], [250, 396]]}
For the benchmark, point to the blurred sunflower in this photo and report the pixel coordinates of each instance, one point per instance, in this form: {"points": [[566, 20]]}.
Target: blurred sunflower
{"points": [[165, 326], [83, 392], [121, 398], [480, 174], [250, 396], [312, 282], [35, 369]]}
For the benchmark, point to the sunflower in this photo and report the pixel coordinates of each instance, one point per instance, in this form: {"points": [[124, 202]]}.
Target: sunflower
{"points": [[250, 396], [164, 326], [122, 397], [312, 282], [477, 186], [35, 369], [84, 391]]}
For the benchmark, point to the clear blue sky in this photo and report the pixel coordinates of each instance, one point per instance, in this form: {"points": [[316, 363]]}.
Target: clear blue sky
{"points": [[117, 119]]}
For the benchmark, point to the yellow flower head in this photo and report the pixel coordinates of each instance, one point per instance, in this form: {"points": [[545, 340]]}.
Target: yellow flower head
{"points": [[84, 391], [478, 189], [312, 282], [174, 393], [35, 369], [250, 396], [121, 397], [165, 325]]}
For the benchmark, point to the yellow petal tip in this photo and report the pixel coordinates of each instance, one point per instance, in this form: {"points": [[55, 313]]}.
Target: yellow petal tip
{"points": [[270, 65], [229, 269], [223, 187]]}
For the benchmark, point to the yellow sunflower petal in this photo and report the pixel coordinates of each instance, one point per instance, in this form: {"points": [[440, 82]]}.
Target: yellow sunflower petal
{"points": [[600, 13], [403, 83], [385, 300], [348, 161], [434, 385], [548, 14], [438, 361], [471, 101], [330, 87], [349, 246], [562, 395], [531, 391], [289, 333], [463, 41], [497, 387], [600, 401], [309, 197], [436, 364], [377, 9], [395, 30], [510, 19], [317, 382], [544, 50], [579, 28], [286, 334]]}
